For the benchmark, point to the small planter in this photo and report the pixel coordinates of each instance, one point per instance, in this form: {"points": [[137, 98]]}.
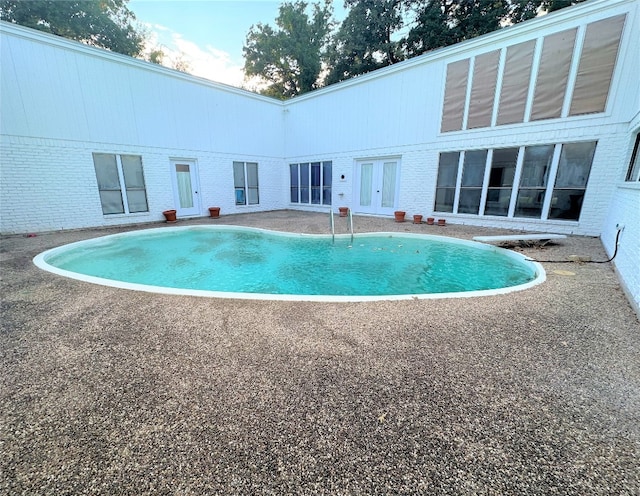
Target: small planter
{"points": [[343, 211], [417, 219], [214, 212], [442, 222], [430, 221], [170, 215], [399, 215]]}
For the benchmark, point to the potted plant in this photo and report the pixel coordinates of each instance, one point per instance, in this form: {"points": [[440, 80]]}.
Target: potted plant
{"points": [[442, 222], [417, 219], [214, 212], [343, 211], [399, 215], [430, 221], [169, 215]]}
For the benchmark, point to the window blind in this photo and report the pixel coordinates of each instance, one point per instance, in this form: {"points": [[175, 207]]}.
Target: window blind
{"points": [[597, 61], [455, 95], [483, 90], [553, 73], [515, 83]]}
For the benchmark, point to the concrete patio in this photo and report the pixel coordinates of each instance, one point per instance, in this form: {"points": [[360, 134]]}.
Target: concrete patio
{"points": [[109, 391]]}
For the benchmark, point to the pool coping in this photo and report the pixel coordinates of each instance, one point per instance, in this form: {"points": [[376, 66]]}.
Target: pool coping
{"points": [[540, 274]]}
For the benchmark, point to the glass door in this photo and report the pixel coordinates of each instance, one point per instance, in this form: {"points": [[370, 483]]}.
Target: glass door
{"points": [[377, 186], [185, 187]]}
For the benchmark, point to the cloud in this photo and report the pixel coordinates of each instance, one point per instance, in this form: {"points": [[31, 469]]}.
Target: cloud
{"points": [[179, 52]]}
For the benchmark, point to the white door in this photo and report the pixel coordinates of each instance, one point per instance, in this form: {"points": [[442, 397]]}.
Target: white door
{"points": [[184, 174], [377, 186]]}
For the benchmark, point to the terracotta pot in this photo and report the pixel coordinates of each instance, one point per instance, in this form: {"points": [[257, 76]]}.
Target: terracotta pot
{"points": [[214, 212], [430, 221], [417, 219], [442, 222], [399, 215], [169, 215], [343, 211]]}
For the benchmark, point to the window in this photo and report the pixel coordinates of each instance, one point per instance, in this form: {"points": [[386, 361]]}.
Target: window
{"points": [[503, 170], [311, 183], [454, 97], [553, 74], [633, 174], [472, 179], [483, 89], [533, 180], [447, 178], [120, 183], [245, 182], [571, 180], [597, 62], [519, 182]]}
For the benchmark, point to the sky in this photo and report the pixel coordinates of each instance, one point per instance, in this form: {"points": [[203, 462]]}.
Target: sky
{"points": [[207, 35]]}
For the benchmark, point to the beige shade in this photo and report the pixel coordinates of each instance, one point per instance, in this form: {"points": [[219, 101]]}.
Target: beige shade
{"points": [[515, 83], [597, 63], [455, 95], [553, 73], [483, 90]]}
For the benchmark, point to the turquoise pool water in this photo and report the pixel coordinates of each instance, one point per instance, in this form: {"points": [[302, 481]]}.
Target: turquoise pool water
{"points": [[244, 261]]}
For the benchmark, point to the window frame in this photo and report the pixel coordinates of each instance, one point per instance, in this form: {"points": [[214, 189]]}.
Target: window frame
{"points": [[123, 188], [633, 171], [314, 183], [246, 189]]}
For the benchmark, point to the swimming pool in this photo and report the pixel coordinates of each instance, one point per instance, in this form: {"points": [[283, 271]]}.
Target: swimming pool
{"points": [[241, 262]]}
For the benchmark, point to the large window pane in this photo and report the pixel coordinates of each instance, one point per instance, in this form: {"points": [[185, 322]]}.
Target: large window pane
{"points": [[455, 95], [515, 82], [472, 179], [315, 183], [295, 187], [446, 184], [483, 90], [533, 180], [106, 167], [134, 183], [553, 74], [597, 62], [238, 183], [326, 182], [571, 180], [304, 183], [252, 183], [503, 169]]}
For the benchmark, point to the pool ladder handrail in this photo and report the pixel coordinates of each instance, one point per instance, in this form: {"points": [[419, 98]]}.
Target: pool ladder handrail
{"points": [[332, 225]]}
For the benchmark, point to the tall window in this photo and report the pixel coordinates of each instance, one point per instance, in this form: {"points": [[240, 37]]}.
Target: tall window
{"points": [[633, 174], [503, 170], [120, 183], [245, 182], [571, 180], [310, 183], [472, 178], [447, 179], [533, 180], [537, 194]]}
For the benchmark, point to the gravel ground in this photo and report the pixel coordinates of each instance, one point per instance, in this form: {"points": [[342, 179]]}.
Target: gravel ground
{"points": [[110, 391]]}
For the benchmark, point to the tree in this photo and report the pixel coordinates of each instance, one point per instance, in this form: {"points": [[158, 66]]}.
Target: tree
{"points": [[105, 23], [440, 23], [290, 58], [364, 42]]}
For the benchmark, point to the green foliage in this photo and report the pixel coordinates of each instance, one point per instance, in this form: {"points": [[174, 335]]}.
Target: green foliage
{"points": [[363, 43], [289, 59], [105, 23]]}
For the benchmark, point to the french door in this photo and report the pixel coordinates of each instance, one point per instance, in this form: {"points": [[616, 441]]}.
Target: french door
{"points": [[184, 175], [377, 184]]}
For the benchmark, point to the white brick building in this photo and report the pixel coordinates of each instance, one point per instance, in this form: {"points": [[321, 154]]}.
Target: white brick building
{"points": [[532, 127]]}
